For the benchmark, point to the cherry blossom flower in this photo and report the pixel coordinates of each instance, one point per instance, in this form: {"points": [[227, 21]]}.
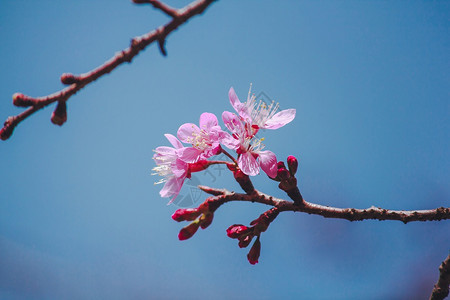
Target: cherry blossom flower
{"points": [[249, 148], [258, 114], [205, 139], [169, 166], [173, 169]]}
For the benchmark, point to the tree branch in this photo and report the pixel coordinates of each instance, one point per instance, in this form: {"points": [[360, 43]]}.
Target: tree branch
{"points": [[76, 83], [351, 214], [441, 288], [161, 6]]}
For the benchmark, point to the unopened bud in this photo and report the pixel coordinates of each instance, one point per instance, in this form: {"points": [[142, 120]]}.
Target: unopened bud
{"points": [[185, 214], [236, 230], [280, 165], [283, 174], [244, 241], [206, 220], [188, 231], [22, 100], [254, 253], [68, 78], [59, 115], [6, 132], [292, 164]]}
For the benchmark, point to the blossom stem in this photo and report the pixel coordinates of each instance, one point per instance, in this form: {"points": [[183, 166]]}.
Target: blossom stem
{"points": [[230, 156]]}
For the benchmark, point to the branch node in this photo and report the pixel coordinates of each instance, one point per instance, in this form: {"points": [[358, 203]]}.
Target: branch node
{"points": [[68, 78]]}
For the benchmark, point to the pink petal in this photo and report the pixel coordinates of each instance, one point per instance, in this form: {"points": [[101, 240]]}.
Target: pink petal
{"points": [[208, 120], [248, 164], [186, 130], [232, 121], [240, 107], [268, 162], [189, 155], [166, 151], [174, 141], [171, 187], [179, 168], [280, 119]]}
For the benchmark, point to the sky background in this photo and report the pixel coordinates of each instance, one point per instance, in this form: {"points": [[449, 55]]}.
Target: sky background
{"points": [[80, 217]]}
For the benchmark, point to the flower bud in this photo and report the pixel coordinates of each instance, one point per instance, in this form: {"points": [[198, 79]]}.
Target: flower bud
{"points": [[236, 230], [6, 132], [280, 165], [68, 78], [186, 214], [206, 220], [188, 231], [22, 100], [254, 253], [283, 174], [292, 164], [59, 115], [245, 240]]}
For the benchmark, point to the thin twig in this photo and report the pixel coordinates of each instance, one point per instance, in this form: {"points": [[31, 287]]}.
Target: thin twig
{"points": [[351, 214], [76, 83], [441, 288], [161, 6]]}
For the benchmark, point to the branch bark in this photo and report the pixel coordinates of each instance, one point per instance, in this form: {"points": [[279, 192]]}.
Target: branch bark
{"points": [[77, 82], [351, 214], [441, 288]]}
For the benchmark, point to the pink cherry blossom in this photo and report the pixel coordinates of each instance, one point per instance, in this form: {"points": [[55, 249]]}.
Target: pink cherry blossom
{"points": [[249, 148], [169, 166], [205, 139], [259, 114]]}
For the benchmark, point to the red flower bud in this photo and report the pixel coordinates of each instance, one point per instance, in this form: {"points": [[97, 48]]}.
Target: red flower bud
{"points": [[59, 115], [280, 165], [292, 164], [236, 230], [244, 241], [188, 231], [6, 132], [283, 174], [68, 78], [206, 220], [22, 100], [186, 214], [254, 253]]}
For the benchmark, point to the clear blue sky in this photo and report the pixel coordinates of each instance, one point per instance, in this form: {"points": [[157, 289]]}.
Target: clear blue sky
{"points": [[80, 217]]}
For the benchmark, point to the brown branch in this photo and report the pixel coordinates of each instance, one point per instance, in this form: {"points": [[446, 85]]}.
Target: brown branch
{"points": [[76, 83], [441, 288], [351, 214], [161, 6]]}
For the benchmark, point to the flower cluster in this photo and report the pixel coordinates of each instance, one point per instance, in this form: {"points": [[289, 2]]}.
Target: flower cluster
{"points": [[177, 163]]}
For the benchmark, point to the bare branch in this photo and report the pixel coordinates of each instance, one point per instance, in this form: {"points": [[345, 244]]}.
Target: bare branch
{"points": [[351, 214], [441, 288], [159, 5], [76, 83]]}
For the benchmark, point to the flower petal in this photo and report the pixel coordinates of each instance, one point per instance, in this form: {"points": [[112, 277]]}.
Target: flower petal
{"points": [[232, 121], [248, 164], [186, 130], [174, 141], [240, 107], [208, 120], [268, 162], [189, 155], [171, 187], [280, 119]]}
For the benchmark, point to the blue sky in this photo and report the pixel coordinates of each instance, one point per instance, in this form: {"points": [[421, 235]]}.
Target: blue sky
{"points": [[81, 218]]}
